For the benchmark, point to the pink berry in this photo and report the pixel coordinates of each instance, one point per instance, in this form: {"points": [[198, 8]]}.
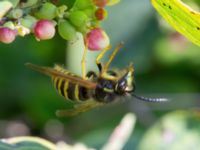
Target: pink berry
{"points": [[7, 35], [44, 30], [97, 39]]}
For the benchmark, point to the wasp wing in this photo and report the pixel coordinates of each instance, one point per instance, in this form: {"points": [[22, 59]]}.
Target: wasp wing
{"points": [[53, 72], [78, 108]]}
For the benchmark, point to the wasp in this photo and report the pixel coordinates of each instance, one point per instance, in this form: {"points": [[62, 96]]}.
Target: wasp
{"points": [[92, 89]]}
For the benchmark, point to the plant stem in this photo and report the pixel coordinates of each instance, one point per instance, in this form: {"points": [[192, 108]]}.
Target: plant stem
{"points": [[74, 53]]}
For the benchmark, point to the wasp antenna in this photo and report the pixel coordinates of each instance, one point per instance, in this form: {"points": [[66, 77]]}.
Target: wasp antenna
{"points": [[147, 99], [40, 69]]}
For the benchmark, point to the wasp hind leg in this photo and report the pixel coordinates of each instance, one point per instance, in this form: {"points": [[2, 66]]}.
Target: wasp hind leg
{"points": [[83, 62], [99, 65], [78, 108], [106, 66], [113, 56]]}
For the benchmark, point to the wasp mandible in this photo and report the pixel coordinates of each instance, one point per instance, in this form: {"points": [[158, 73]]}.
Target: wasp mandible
{"points": [[92, 89]]}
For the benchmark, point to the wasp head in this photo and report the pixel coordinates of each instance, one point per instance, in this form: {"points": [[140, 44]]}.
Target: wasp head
{"points": [[126, 83]]}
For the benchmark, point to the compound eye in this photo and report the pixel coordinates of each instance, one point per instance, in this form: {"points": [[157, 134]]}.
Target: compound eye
{"points": [[123, 83], [121, 87]]}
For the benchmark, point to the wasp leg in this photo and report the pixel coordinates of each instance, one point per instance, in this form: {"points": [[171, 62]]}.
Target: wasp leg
{"points": [[83, 62], [79, 108], [113, 55], [99, 65], [91, 75]]}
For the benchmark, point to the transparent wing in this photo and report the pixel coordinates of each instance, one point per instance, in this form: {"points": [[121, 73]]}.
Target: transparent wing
{"points": [[53, 72], [78, 108]]}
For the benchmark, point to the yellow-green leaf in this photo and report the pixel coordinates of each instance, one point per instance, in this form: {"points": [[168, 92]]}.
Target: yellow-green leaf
{"points": [[5, 6], [113, 2], [183, 18]]}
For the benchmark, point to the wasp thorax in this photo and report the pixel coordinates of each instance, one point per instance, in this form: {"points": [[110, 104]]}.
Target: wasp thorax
{"points": [[105, 90]]}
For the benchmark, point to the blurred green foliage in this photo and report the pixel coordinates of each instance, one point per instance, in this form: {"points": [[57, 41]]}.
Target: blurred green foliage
{"points": [[165, 64], [177, 130]]}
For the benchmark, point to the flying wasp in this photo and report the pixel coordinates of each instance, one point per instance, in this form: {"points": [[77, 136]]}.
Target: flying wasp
{"points": [[93, 90]]}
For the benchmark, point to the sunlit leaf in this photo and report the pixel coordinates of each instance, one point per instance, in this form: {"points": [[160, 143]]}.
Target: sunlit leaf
{"points": [[26, 143], [5, 6], [113, 2], [183, 18]]}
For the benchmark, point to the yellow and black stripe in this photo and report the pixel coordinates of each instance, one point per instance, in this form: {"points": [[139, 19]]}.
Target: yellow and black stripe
{"points": [[69, 85], [71, 91]]}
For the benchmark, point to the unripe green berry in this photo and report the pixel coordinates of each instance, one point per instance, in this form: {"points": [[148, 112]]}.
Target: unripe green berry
{"points": [[66, 30], [46, 11], [28, 21], [9, 24], [28, 3], [15, 13], [78, 18], [90, 11], [82, 4]]}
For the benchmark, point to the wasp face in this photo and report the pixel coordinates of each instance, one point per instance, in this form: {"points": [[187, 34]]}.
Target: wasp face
{"points": [[126, 83]]}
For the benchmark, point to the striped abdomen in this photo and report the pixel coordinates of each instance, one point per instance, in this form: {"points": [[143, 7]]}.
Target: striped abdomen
{"points": [[72, 91]]}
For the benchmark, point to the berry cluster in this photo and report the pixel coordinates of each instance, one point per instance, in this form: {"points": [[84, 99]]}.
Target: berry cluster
{"points": [[42, 17]]}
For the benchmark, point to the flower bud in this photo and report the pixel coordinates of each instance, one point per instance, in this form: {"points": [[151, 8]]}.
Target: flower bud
{"points": [[100, 3], [22, 31], [97, 39], [60, 11], [101, 14], [7, 35], [46, 11], [44, 30]]}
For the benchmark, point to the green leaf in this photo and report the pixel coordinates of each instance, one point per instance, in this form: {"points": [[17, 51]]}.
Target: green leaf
{"points": [[5, 6], [14, 2], [5, 146], [177, 130], [26, 143], [183, 18]]}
